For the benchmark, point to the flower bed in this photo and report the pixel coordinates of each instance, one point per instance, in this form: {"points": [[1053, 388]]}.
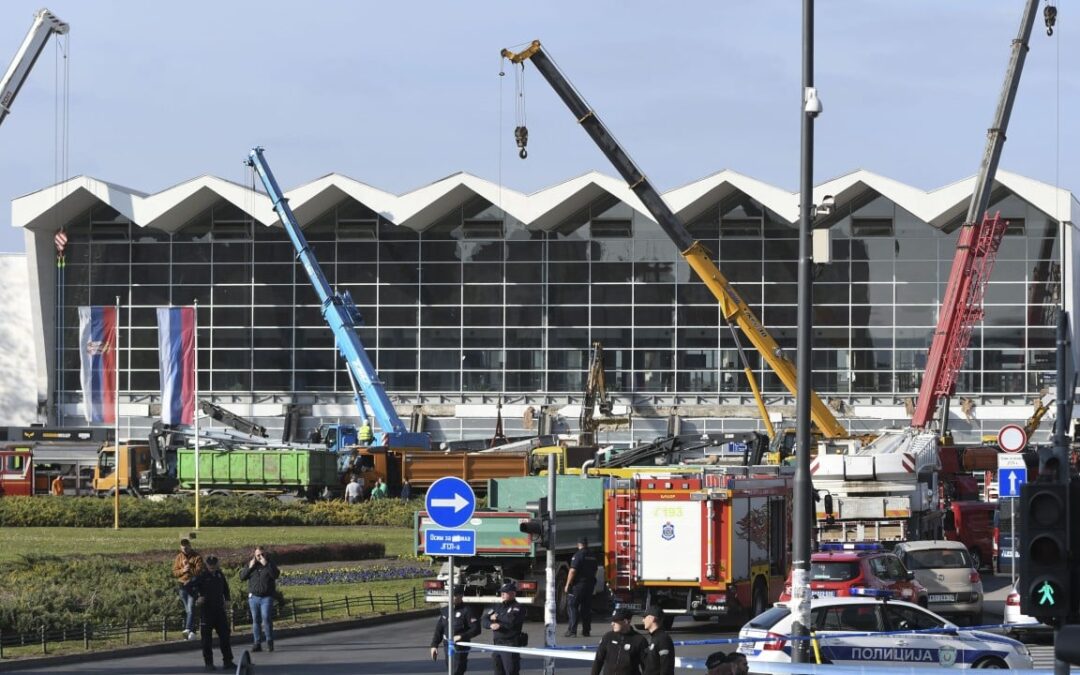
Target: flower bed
{"points": [[351, 575]]}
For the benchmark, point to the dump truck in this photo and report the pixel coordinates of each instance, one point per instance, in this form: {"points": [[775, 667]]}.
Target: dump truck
{"points": [[422, 468], [271, 472], [504, 552]]}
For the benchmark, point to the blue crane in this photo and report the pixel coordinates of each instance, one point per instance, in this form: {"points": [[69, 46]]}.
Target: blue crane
{"points": [[341, 315]]}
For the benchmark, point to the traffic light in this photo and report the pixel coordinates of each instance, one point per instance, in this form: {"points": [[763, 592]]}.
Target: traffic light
{"points": [[539, 528], [1045, 569]]}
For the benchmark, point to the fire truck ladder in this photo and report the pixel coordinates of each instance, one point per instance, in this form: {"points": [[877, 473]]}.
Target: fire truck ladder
{"points": [[625, 536], [963, 308]]}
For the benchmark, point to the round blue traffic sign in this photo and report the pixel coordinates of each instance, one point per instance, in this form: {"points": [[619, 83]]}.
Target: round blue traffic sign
{"points": [[450, 502]]}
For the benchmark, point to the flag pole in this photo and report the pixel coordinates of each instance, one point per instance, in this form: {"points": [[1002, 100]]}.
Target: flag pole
{"points": [[195, 415], [116, 423]]}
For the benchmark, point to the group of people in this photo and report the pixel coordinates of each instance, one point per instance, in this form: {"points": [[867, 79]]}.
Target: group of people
{"points": [[622, 650], [354, 491], [203, 585]]}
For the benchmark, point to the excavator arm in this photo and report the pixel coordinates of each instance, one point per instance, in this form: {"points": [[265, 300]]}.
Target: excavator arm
{"points": [[735, 310]]}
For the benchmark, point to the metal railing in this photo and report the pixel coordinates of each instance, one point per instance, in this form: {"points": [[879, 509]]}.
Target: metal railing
{"points": [[91, 635]]}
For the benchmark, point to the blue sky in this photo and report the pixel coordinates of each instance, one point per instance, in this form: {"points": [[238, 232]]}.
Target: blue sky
{"points": [[399, 94]]}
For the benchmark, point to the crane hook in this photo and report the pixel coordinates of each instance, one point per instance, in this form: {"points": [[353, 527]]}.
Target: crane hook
{"points": [[521, 137], [1050, 16]]}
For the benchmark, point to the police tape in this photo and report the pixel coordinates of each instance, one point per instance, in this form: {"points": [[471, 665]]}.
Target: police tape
{"points": [[765, 668], [819, 637], [680, 662]]}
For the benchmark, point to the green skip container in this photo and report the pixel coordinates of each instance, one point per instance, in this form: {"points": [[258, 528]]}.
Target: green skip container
{"points": [[299, 471]]}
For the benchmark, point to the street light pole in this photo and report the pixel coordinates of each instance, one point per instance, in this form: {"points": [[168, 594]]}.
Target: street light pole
{"points": [[801, 536]]}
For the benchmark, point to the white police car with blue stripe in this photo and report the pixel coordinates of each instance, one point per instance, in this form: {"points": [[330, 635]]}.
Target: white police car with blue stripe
{"points": [[871, 629]]}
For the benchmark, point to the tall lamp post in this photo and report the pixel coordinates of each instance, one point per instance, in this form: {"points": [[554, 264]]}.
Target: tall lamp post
{"points": [[803, 494]]}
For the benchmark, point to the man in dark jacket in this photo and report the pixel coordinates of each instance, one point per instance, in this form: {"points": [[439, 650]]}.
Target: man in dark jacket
{"points": [[580, 583], [464, 627], [622, 650], [261, 575], [505, 620], [660, 656], [211, 592]]}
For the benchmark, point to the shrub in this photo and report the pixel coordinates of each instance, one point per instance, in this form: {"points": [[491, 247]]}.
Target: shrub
{"points": [[217, 511]]}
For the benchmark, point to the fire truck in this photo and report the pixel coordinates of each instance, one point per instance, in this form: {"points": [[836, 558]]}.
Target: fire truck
{"points": [[711, 545]]}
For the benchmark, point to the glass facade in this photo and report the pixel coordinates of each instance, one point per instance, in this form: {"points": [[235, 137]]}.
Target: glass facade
{"points": [[478, 303]]}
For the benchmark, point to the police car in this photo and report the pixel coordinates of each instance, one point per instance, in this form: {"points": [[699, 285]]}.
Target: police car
{"points": [[870, 630]]}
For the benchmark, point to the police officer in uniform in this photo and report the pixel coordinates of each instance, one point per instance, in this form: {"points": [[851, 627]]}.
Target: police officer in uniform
{"points": [[660, 657], [465, 626], [580, 583], [622, 650], [505, 620]]}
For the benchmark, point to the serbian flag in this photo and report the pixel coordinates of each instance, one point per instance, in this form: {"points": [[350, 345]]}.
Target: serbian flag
{"points": [[97, 356], [176, 356]]}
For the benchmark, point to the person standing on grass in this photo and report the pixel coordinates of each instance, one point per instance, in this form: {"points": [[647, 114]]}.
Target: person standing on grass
{"points": [[211, 591], [187, 565], [261, 575], [406, 491]]}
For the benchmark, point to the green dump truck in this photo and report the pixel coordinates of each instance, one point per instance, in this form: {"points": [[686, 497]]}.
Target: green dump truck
{"points": [[301, 472], [504, 552]]}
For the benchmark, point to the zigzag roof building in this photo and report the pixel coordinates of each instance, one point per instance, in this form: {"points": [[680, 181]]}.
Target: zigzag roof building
{"points": [[473, 290]]}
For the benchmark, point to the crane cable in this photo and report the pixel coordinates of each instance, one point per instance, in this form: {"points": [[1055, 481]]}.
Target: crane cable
{"points": [[521, 130]]}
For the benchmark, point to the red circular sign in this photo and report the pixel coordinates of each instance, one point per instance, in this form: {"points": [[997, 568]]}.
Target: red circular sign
{"points": [[1012, 438]]}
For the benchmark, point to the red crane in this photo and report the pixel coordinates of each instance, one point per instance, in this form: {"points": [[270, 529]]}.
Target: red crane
{"points": [[976, 250]]}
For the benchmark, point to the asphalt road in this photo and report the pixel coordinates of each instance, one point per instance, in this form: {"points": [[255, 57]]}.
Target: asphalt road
{"points": [[401, 648], [395, 649]]}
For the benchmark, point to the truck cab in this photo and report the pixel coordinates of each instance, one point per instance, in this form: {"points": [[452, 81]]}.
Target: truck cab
{"points": [[136, 471], [16, 472], [973, 524]]}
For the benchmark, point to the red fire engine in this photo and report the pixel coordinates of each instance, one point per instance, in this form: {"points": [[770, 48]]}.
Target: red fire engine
{"points": [[713, 544], [16, 471]]}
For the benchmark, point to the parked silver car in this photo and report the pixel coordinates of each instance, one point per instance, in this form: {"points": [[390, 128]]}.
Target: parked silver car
{"points": [[945, 568]]}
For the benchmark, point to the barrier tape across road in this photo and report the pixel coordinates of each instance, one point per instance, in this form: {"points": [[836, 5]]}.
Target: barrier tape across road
{"points": [[587, 653]]}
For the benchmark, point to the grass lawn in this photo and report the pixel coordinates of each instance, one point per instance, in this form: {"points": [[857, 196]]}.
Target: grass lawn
{"points": [[383, 591], [78, 540]]}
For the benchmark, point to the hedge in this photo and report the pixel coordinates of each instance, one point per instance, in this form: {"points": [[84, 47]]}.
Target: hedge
{"points": [[179, 511]]}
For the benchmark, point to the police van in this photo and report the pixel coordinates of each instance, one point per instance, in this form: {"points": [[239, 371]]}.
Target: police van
{"points": [[871, 629]]}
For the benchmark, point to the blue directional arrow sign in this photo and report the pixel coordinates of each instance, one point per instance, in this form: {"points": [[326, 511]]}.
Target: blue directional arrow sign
{"points": [[1009, 481], [449, 542], [450, 502]]}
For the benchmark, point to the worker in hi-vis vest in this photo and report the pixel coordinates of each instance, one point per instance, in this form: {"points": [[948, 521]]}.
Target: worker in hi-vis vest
{"points": [[365, 436]]}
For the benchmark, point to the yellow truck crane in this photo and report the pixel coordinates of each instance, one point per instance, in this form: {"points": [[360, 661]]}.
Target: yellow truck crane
{"points": [[734, 308]]}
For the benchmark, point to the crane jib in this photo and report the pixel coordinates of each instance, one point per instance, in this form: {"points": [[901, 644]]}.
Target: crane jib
{"points": [[695, 253], [339, 312]]}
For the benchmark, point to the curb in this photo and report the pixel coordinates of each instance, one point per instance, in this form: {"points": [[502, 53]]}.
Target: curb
{"points": [[29, 662]]}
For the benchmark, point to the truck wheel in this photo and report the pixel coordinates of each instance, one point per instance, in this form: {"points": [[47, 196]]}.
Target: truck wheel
{"points": [[759, 598], [976, 559]]}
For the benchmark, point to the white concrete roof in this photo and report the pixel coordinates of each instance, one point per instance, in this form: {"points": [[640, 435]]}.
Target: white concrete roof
{"points": [[171, 208]]}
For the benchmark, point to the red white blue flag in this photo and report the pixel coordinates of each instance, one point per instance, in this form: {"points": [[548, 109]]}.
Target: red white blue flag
{"points": [[97, 355], [176, 344]]}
